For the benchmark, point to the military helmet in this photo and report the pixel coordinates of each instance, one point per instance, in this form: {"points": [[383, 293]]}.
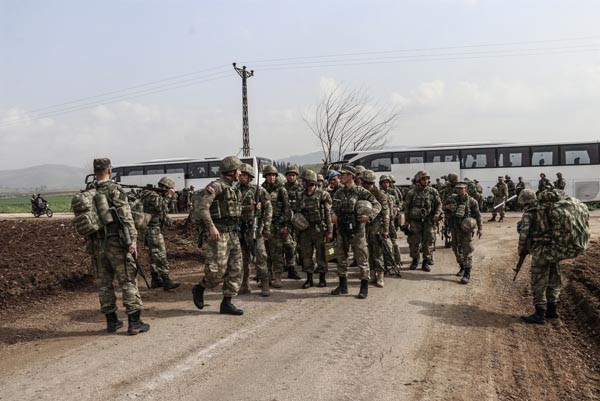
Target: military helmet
{"points": [[348, 169], [559, 175], [384, 178], [359, 169], [167, 182], [500, 178], [269, 170], [392, 178], [422, 174], [452, 177], [320, 177], [364, 207], [247, 169], [229, 163], [526, 197], [310, 176], [299, 222], [368, 176], [292, 169], [468, 225], [460, 184]]}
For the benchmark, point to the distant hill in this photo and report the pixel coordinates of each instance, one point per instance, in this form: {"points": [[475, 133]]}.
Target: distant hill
{"points": [[300, 160], [47, 177]]}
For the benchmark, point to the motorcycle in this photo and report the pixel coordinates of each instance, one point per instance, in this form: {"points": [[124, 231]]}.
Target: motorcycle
{"points": [[43, 209]]}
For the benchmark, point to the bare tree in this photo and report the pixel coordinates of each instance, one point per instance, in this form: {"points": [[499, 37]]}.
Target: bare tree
{"points": [[345, 121]]}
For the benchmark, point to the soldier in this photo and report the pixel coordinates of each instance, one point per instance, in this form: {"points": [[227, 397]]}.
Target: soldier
{"points": [[253, 238], [314, 205], [293, 187], [511, 191], [479, 190], [334, 182], [218, 208], [544, 183], [320, 181], [500, 192], [112, 257], [519, 187], [545, 270], [359, 170], [280, 223], [450, 187], [385, 184], [172, 206], [560, 182], [463, 214], [156, 205], [350, 224], [378, 228], [423, 210]]}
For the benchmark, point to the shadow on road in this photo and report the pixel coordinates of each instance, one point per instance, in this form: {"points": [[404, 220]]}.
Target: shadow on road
{"points": [[464, 315]]}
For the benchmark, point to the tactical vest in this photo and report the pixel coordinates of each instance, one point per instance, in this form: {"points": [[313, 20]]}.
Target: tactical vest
{"points": [[276, 198], [293, 195], [422, 204], [226, 207], [248, 193], [153, 206], [348, 202], [310, 207]]}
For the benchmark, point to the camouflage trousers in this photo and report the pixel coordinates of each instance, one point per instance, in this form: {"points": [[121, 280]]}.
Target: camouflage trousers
{"points": [[248, 251], [276, 250], [358, 242], [313, 241], [462, 246], [425, 230], [545, 281], [110, 259], [393, 240], [500, 210], [289, 250], [157, 250], [375, 248], [224, 263]]}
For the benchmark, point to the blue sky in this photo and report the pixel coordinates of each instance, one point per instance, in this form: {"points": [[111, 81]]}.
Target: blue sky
{"points": [[58, 51]]}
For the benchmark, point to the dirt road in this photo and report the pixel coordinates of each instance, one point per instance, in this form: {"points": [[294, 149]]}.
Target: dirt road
{"points": [[422, 337]]}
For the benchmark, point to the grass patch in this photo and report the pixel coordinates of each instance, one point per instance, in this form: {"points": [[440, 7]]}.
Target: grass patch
{"points": [[22, 204]]}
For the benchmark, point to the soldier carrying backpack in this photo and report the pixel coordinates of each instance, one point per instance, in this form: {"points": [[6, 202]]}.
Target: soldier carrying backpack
{"points": [[553, 228]]}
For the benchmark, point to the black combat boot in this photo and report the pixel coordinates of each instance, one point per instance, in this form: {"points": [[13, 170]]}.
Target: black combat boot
{"points": [[501, 219], [425, 266], [364, 289], [309, 281], [552, 311], [414, 264], [198, 294], [169, 284], [136, 325], [493, 218], [112, 322], [322, 280], [342, 288], [538, 317], [227, 308], [461, 271], [466, 277], [156, 282], [293, 274]]}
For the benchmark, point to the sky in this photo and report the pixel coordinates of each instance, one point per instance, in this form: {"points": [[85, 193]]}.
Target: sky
{"points": [[138, 80]]}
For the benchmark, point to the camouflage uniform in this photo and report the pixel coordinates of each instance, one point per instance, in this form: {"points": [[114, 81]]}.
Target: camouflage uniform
{"points": [[219, 205], [111, 256], [395, 206], [544, 183], [458, 209], [289, 246], [560, 182], [423, 210], [248, 231], [378, 226], [545, 271], [280, 223], [500, 191], [157, 206]]}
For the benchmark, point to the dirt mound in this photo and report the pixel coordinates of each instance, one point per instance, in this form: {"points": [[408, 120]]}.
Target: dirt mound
{"points": [[580, 299], [45, 258]]}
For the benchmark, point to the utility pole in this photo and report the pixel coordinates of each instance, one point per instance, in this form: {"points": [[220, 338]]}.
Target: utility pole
{"points": [[245, 126]]}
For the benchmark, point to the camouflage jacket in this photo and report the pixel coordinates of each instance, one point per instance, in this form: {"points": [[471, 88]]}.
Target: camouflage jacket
{"points": [[218, 205], [500, 191], [282, 214], [265, 214], [423, 203], [381, 222], [292, 191], [459, 208], [532, 238], [316, 208], [155, 205], [560, 184], [117, 198]]}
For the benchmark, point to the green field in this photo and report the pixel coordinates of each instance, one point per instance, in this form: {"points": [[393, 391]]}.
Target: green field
{"points": [[22, 204]]}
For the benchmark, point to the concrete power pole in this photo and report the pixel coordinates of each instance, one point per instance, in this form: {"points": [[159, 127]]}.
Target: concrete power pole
{"points": [[245, 126]]}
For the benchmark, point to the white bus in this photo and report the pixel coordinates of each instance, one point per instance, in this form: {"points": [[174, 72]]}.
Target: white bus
{"points": [[579, 162], [185, 171]]}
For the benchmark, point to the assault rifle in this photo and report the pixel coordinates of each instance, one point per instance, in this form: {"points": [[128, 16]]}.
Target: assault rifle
{"points": [[517, 269], [505, 202], [389, 256]]}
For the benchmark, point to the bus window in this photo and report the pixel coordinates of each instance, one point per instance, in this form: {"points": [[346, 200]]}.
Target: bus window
{"points": [[579, 154], [175, 168], [544, 155], [138, 170], [348, 156], [154, 170], [513, 157], [198, 170], [409, 157], [477, 158], [377, 162], [442, 156], [213, 169], [262, 162], [117, 173]]}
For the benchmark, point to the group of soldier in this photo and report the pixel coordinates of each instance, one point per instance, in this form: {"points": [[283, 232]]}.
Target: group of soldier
{"points": [[293, 215]]}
